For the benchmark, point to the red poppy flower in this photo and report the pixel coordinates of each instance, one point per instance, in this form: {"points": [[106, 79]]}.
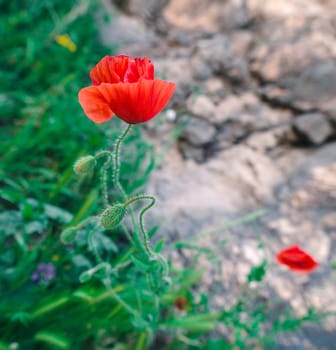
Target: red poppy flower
{"points": [[126, 87], [296, 259]]}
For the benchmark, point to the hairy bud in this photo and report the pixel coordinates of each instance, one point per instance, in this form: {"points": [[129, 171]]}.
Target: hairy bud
{"points": [[69, 235], [101, 270], [112, 216], [84, 165]]}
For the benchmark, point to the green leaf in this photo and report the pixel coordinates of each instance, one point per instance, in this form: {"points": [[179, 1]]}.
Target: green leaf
{"points": [[257, 273], [52, 339], [218, 344], [159, 246], [140, 265], [195, 323]]}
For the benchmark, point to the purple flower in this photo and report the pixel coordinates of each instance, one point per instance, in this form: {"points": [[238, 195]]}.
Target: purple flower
{"points": [[44, 273]]}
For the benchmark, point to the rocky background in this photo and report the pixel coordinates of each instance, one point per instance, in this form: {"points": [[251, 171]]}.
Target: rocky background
{"points": [[252, 125]]}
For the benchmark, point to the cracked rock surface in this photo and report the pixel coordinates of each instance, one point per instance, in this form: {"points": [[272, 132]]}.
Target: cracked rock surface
{"points": [[256, 111]]}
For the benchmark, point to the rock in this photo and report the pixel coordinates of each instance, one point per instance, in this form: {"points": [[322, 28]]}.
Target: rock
{"points": [[329, 109], [174, 69], [216, 53], [228, 109], [313, 127], [147, 9], [236, 70], [198, 132], [181, 38], [266, 140], [290, 8], [249, 112], [200, 70], [207, 15], [314, 87], [191, 152], [236, 14], [216, 89], [240, 42], [255, 173], [304, 81], [201, 106], [237, 154], [129, 34]]}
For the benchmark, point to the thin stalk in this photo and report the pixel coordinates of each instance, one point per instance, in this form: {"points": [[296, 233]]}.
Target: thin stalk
{"points": [[118, 186], [103, 174], [146, 242], [116, 162], [93, 246], [145, 239]]}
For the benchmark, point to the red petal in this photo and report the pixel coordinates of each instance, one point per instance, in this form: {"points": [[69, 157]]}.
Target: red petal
{"points": [[139, 68], [137, 102], [296, 259], [110, 69], [94, 104]]}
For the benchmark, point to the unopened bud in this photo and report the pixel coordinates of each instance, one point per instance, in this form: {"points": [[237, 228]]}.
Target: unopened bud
{"points": [[85, 276], [69, 235], [84, 165], [112, 216], [101, 270]]}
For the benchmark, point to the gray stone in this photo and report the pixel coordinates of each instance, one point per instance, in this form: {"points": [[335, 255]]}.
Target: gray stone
{"points": [[216, 53], [191, 152], [208, 15], [147, 9], [198, 132], [240, 42], [313, 127], [201, 106], [200, 70], [128, 34], [228, 109], [216, 89], [249, 112]]}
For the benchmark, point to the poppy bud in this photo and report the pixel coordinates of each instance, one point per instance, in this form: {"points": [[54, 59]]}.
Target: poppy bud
{"points": [[85, 276], [84, 165], [103, 269], [69, 235], [112, 216]]}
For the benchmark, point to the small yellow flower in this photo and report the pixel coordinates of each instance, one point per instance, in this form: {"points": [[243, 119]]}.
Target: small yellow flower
{"points": [[65, 41], [55, 258]]}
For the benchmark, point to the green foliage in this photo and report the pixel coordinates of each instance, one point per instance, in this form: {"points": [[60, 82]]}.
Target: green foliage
{"points": [[257, 273]]}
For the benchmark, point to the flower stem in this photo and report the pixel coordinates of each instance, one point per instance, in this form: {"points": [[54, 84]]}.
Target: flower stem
{"points": [[145, 239], [116, 182], [93, 247], [103, 173], [116, 162]]}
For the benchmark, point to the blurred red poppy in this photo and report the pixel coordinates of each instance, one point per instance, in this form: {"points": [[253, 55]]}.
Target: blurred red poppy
{"points": [[181, 303], [126, 87], [296, 259]]}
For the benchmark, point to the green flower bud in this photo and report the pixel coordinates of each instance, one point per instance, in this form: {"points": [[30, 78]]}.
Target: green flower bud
{"points": [[112, 216], [84, 165], [101, 270], [69, 235], [85, 276]]}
